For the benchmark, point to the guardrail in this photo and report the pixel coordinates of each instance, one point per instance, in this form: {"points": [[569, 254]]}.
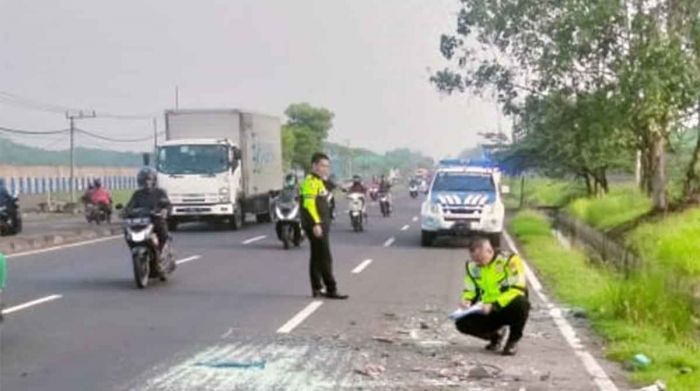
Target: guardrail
{"points": [[58, 184]]}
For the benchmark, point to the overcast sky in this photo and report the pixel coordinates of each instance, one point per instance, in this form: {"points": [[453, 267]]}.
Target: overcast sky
{"points": [[366, 60]]}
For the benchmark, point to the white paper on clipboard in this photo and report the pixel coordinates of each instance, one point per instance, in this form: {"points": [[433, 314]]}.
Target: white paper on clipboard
{"points": [[462, 312]]}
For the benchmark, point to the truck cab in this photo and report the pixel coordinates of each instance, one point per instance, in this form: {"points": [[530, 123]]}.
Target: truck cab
{"points": [[202, 178], [463, 201]]}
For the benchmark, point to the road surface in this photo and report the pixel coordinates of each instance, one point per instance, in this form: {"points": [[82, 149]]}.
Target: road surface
{"points": [[238, 316]]}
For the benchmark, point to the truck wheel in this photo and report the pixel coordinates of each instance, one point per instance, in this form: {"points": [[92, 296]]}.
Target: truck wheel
{"points": [[427, 238], [236, 221]]}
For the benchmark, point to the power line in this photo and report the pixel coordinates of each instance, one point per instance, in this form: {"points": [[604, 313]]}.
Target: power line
{"points": [[31, 132], [117, 140], [27, 103]]}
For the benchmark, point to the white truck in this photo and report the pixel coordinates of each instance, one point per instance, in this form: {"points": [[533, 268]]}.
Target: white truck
{"points": [[219, 165], [464, 200]]}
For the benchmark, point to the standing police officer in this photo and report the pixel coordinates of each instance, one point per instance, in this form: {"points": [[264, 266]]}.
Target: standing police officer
{"points": [[316, 220]]}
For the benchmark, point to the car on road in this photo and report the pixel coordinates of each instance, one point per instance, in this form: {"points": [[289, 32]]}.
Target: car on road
{"points": [[463, 201]]}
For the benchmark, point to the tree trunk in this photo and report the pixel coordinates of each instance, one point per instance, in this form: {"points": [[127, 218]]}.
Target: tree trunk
{"points": [[691, 176], [589, 187], [604, 181], [658, 172]]}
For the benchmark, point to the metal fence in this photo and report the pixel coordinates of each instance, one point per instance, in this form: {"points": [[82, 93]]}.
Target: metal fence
{"points": [[43, 185]]}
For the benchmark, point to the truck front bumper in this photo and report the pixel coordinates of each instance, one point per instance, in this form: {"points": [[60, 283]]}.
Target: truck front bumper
{"points": [[201, 211]]}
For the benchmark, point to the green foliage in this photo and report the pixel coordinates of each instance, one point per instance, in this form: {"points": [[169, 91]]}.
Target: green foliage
{"points": [[647, 313], [543, 192], [306, 129], [673, 242], [621, 205], [22, 155], [589, 82]]}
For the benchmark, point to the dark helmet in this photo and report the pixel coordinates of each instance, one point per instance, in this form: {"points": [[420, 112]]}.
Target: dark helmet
{"points": [[290, 180], [356, 179], [145, 174], [97, 182]]}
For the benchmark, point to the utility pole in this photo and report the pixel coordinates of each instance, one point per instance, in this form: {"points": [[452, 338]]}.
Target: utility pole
{"points": [[72, 116], [155, 135]]}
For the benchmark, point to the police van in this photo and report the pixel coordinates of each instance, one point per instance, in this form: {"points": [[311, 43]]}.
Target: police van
{"points": [[463, 201]]}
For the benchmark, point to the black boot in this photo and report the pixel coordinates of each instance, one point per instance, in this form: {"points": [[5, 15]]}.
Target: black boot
{"points": [[511, 349], [495, 339], [335, 295]]}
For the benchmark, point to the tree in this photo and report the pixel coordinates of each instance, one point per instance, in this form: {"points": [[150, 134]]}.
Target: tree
{"points": [[306, 129], [582, 55]]}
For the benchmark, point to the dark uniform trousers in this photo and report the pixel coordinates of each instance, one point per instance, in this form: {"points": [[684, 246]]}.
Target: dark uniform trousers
{"points": [[484, 326], [321, 262]]}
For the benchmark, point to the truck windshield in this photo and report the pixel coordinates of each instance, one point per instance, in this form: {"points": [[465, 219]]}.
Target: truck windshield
{"points": [[451, 181], [192, 159]]}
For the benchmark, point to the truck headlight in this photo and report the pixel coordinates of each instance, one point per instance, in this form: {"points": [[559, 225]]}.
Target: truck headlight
{"points": [[223, 190]]}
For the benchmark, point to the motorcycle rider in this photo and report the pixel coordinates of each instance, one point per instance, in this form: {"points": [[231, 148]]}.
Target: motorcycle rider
{"points": [[358, 188], [101, 198], [8, 201], [149, 196]]}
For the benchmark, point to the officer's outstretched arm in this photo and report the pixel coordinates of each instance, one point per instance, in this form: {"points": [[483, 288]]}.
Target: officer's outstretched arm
{"points": [[517, 284]]}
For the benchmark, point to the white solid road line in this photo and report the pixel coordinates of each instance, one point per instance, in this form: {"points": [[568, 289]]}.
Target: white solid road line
{"points": [[362, 266], [601, 379], [255, 239], [55, 248], [31, 304], [300, 317], [405, 227], [389, 242], [188, 259]]}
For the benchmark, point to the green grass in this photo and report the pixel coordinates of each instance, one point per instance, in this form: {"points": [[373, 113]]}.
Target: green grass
{"points": [[643, 314], [623, 204], [543, 192], [672, 242]]}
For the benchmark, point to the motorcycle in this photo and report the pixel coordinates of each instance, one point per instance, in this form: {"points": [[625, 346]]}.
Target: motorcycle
{"points": [[10, 218], [288, 225], [96, 214], [147, 259], [385, 204], [374, 192], [357, 211], [413, 191]]}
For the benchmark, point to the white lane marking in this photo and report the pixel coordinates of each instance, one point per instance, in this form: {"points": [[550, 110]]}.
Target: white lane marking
{"points": [[255, 239], [31, 304], [361, 266], [188, 259], [300, 317], [415, 218], [601, 379], [389, 242], [56, 248], [405, 227]]}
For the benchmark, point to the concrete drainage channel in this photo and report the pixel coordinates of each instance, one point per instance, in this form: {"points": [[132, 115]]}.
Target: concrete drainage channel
{"points": [[17, 244]]}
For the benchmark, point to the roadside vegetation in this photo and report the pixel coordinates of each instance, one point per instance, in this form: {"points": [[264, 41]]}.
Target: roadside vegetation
{"points": [[651, 312]]}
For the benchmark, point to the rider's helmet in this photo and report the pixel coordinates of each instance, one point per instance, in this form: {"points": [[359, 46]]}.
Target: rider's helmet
{"points": [[147, 178]]}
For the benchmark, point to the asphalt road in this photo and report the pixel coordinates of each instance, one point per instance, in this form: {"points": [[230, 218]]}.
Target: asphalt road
{"points": [[238, 315]]}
